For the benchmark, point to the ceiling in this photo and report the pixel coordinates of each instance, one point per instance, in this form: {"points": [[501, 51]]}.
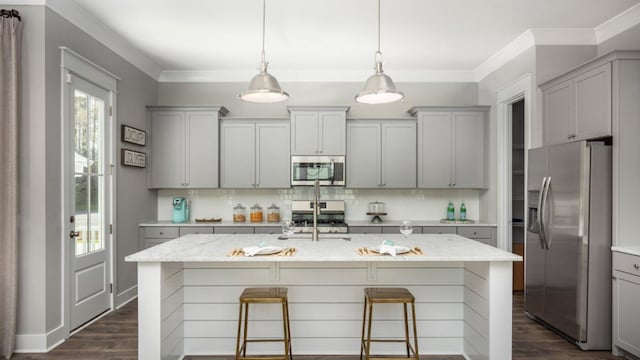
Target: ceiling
{"points": [[223, 37]]}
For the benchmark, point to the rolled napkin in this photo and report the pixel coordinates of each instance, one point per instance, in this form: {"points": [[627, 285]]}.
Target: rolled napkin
{"points": [[387, 247]]}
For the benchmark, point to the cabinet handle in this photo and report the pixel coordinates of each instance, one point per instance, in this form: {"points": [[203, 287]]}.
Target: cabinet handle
{"points": [[454, 184], [569, 136], [636, 266]]}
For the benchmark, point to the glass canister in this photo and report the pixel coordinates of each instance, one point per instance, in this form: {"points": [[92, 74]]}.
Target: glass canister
{"points": [[273, 213], [239, 214], [256, 213]]}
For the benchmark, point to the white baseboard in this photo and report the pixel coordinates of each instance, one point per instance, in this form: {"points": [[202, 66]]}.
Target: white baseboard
{"points": [[40, 343], [126, 296]]}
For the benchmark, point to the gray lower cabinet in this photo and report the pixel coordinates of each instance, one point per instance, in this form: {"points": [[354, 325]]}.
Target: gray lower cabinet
{"points": [[396, 230], [233, 230], [154, 235], [439, 229], [255, 153], [183, 149], [626, 297], [186, 230], [267, 230], [483, 234], [451, 146], [365, 229], [381, 154]]}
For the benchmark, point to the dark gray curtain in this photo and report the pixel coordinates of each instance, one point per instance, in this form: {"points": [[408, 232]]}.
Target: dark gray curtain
{"points": [[10, 48]]}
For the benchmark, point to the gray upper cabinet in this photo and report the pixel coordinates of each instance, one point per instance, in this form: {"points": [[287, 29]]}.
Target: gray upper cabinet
{"points": [[381, 153], [578, 107], [318, 130], [254, 154], [183, 147], [451, 146]]}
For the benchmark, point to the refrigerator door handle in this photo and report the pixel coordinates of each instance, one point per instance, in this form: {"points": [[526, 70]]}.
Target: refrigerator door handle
{"points": [[539, 213], [543, 212]]}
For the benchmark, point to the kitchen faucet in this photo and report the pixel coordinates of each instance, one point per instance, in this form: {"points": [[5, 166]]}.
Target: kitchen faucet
{"points": [[316, 209]]}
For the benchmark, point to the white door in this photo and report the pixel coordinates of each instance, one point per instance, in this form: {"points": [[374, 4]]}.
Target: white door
{"points": [[88, 196]]}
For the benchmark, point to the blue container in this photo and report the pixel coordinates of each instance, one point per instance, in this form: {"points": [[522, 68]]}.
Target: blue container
{"points": [[180, 210]]}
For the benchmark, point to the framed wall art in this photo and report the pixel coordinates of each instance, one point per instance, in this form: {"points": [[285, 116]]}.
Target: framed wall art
{"points": [[133, 158], [133, 136]]}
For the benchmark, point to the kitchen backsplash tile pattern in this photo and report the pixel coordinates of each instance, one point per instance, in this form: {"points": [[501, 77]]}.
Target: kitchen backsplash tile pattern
{"points": [[407, 204]]}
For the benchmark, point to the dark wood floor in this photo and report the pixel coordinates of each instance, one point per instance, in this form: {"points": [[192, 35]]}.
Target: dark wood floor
{"points": [[115, 337]]}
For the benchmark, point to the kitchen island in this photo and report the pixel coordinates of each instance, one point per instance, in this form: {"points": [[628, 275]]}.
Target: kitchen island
{"points": [[188, 294]]}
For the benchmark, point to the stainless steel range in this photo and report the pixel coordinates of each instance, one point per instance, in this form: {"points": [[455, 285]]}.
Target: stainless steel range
{"points": [[330, 219]]}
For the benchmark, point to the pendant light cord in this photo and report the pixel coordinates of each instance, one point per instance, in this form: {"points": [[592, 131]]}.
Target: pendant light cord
{"points": [[379, 27], [263, 61]]}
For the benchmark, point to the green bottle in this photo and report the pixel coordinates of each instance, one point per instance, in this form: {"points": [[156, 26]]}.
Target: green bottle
{"points": [[463, 212], [451, 211]]}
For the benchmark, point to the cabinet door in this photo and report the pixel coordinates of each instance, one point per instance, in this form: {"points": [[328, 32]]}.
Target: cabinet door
{"points": [[469, 129], [593, 103], [434, 150], [363, 155], [167, 149], [626, 323], [237, 158], [559, 114], [398, 167], [202, 150], [331, 132], [304, 133], [273, 159]]}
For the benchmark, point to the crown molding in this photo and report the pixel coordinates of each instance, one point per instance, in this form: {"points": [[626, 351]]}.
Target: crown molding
{"points": [[516, 47], [618, 24], [103, 34], [315, 76]]}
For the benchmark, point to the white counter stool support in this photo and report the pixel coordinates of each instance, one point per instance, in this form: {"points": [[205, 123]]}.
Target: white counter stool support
{"points": [[388, 296], [266, 295]]}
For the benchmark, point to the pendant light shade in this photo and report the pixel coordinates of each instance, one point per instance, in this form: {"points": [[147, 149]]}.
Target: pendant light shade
{"points": [[264, 87], [379, 88]]}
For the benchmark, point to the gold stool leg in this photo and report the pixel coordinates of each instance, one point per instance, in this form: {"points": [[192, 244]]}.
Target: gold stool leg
{"points": [[369, 331], [285, 330], [415, 332], [406, 329], [246, 325], [239, 327], [286, 301], [364, 320]]}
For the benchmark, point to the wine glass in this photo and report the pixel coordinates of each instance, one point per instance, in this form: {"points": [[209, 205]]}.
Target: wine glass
{"points": [[288, 228], [406, 228]]}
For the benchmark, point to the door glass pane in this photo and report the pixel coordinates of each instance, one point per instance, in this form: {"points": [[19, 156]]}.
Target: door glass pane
{"points": [[94, 141], [81, 108], [81, 209], [96, 214]]}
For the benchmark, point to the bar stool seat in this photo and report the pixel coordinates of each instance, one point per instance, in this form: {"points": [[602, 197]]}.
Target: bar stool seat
{"points": [[388, 296], [273, 295]]}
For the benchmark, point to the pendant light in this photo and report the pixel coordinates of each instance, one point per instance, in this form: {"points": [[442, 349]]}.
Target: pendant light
{"points": [[379, 88], [264, 87]]}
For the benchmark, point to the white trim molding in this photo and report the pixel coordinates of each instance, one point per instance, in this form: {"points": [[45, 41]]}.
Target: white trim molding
{"points": [[520, 88], [618, 24], [40, 343], [125, 297]]}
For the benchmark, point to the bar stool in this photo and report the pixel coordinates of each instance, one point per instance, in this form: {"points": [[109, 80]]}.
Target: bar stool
{"points": [[269, 295], [388, 296]]}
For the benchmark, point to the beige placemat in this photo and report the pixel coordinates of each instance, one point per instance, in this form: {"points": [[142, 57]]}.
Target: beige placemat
{"points": [[283, 252], [363, 251]]}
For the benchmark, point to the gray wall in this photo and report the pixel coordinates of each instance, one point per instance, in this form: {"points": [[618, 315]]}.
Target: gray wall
{"points": [[41, 275], [555, 60], [316, 93]]}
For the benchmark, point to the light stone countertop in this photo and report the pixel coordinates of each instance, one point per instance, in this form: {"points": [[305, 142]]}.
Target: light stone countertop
{"points": [[631, 250], [350, 223], [214, 248]]}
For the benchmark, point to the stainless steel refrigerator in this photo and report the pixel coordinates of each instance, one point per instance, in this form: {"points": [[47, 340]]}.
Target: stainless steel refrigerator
{"points": [[568, 242]]}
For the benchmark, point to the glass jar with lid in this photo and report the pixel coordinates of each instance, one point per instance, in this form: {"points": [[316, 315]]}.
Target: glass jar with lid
{"points": [[256, 213], [239, 213], [273, 213]]}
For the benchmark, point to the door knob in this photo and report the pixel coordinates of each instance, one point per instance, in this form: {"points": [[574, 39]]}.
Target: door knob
{"points": [[73, 234]]}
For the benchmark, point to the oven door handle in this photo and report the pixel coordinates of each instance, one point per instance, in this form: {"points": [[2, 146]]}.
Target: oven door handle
{"points": [[332, 174]]}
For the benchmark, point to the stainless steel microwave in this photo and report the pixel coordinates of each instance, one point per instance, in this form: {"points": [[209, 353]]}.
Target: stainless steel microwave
{"points": [[330, 170]]}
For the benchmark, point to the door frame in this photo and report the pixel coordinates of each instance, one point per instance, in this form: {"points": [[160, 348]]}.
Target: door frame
{"points": [[71, 63], [519, 89]]}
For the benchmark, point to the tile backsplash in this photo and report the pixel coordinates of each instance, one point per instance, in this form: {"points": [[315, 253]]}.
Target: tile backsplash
{"points": [[409, 204]]}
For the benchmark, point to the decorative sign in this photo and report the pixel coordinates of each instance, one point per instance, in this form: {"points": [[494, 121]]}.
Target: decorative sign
{"points": [[133, 135], [133, 158]]}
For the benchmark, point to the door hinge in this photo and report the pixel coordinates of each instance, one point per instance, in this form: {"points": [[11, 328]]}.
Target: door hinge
{"points": [[110, 110], [111, 288], [110, 228], [68, 78]]}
